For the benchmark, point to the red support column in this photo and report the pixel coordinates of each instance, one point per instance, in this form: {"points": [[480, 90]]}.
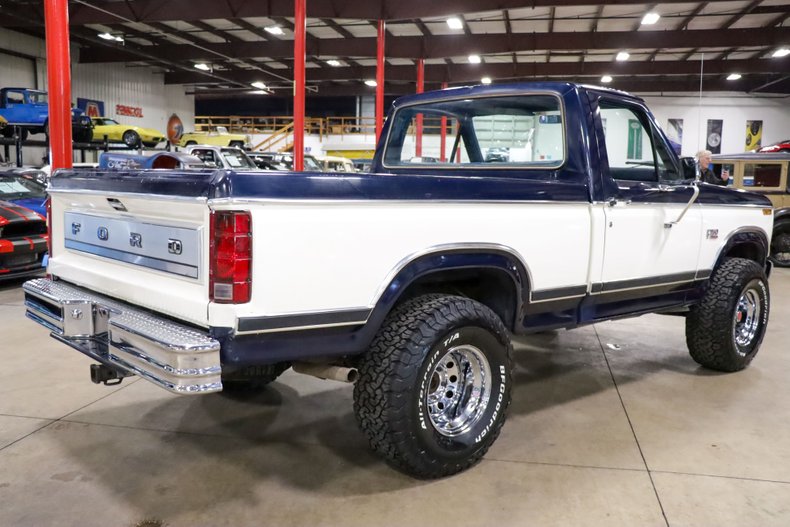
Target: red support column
{"points": [[380, 79], [56, 21], [300, 22], [420, 89], [443, 143]]}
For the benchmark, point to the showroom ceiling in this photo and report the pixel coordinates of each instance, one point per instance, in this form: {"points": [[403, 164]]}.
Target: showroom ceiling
{"points": [[236, 42]]}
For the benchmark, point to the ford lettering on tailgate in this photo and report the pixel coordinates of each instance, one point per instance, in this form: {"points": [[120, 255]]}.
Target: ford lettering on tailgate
{"points": [[170, 249]]}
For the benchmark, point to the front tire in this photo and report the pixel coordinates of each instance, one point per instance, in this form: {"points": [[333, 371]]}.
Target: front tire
{"points": [[434, 385], [725, 330]]}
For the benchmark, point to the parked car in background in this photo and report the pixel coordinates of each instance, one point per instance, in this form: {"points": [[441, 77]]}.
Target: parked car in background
{"points": [[131, 136], [28, 109], [159, 160], [781, 146], [765, 174], [218, 136], [222, 157], [265, 161], [285, 161], [47, 169], [336, 164], [23, 239], [25, 187]]}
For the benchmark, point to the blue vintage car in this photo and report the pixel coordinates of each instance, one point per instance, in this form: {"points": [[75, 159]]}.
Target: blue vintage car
{"points": [[28, 109]]}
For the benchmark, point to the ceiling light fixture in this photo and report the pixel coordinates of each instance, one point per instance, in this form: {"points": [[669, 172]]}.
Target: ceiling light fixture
{"points": [[108, 36], [733, 76], [474, 59], [606, 79], [274, 30], [258, 92], [455, 23], [202, 66], [650, 19], [781, 52], [259, 85], [333, 62], [622, 56], [486, 80], [371, 83]]}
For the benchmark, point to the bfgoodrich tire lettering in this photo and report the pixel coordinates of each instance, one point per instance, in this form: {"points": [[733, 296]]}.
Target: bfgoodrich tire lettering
{"points": [[725, 330], [435, 385]]}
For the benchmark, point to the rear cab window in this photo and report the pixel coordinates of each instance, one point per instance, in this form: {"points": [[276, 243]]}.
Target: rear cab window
{"points": [[521, 132]]}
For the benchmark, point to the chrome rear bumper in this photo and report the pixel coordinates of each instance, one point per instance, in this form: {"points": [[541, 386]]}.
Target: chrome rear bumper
{"points": [[175, 357]]}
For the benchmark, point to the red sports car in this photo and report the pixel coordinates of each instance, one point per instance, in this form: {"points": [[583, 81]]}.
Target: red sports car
{"points": [[781, 146], [23, 241]]}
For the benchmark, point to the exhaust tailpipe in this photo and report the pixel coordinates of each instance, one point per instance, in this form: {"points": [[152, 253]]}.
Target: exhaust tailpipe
{"points": [[326, 371]]}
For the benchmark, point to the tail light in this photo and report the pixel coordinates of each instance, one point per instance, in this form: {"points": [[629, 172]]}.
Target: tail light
{"points": [[230, 275]]}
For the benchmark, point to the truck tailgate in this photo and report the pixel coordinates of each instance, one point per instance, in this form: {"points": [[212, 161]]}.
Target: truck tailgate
{"points": [[150, 250]]}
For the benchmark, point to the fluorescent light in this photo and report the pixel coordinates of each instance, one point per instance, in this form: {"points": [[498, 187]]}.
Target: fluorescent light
{"points": [[333, 62], [259, 85], [119, 38], [371, 83], [474, 59], [733, 76], [781, 52], [258, 92], [623, 55], [455, 23], [106, 36], [606, 78], [274, 30], [650, 19], [202, 66], [486, 80]]}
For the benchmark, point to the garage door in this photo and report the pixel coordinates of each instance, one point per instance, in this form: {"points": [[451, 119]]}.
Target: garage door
{"points": [[17, 71]]}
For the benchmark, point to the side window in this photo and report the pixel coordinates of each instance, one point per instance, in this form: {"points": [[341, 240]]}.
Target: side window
{"points": [[15, 98], [629, 147], [764, 175]]}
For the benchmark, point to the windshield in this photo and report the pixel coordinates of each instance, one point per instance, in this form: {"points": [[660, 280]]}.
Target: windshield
{"points": [[20, 186], [237, 159], [37, 97], [312, 164], [103, 122]]}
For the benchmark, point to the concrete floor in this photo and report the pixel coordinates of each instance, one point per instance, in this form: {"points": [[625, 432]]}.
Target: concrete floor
{"points": [[610, 425]]}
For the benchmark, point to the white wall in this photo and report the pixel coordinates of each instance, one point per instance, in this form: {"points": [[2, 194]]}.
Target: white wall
{"points": [[734, 109], [112, 83]]}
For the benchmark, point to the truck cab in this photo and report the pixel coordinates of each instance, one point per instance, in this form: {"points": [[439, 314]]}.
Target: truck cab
{"points": [[29, 110]]}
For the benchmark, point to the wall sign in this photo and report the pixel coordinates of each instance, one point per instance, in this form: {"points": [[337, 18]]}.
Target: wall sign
{"points": [[90, 107], [175, 129], [713, 141], [128, 111]]}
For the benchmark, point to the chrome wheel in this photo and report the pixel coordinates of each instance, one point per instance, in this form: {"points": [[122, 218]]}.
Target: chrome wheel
{"points": [[460, 387], [747, 319]]}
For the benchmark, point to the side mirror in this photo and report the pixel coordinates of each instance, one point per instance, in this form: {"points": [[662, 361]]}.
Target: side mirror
{"points": [[690, 168]]}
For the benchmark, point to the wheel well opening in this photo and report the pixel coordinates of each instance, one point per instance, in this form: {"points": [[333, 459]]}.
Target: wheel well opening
{"points": [[749, 251], [491, 287]]}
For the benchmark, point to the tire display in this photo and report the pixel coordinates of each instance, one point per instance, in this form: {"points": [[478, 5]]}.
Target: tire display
{"points": [[435, 385], [725, 330]]}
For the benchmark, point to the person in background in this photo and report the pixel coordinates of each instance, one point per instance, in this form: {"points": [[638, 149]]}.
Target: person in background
{"points": [[706, 175]]}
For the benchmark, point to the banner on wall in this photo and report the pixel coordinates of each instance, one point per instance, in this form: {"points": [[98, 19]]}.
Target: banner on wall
{"points": [[634, 139], [754, 135], [713, 141], [90, 107]]}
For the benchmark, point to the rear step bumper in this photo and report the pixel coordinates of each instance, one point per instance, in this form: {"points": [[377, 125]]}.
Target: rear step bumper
{"points": [[175, 357]]}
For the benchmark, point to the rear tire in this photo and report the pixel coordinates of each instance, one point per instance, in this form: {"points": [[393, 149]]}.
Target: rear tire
{"points": [[780, 248], [434, 385], [131, 138], [725, 330]]}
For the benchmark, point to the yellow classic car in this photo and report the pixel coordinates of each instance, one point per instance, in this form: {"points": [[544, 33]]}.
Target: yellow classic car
{"points": [[131, 136], [217, 136]]}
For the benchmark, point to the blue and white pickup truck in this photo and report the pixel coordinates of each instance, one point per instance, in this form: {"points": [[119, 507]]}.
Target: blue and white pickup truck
{"points": [[28, 110], [409, 280]]}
